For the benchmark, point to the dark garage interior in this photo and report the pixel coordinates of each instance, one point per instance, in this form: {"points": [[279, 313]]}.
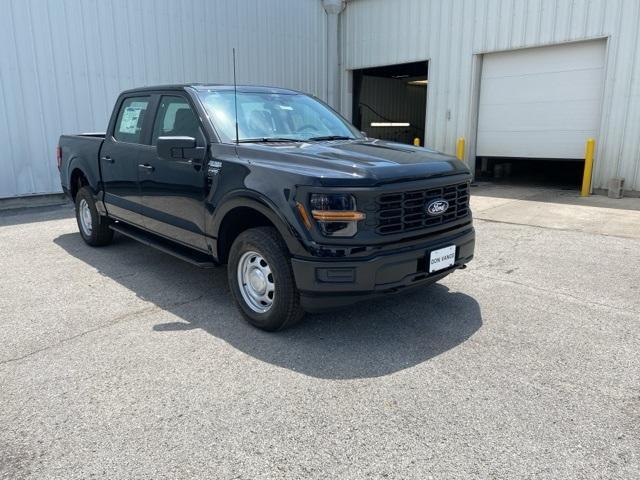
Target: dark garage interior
{"points": [[389, 102], [539, 172]]}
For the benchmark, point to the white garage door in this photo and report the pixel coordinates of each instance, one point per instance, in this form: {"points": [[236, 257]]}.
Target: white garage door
{"points": [[540, 102]]}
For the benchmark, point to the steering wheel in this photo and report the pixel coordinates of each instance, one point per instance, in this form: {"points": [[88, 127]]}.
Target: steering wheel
{"points": [[307, 126]]}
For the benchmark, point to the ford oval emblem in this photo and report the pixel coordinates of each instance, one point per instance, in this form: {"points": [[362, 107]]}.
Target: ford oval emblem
{"points": [[437, 207]]}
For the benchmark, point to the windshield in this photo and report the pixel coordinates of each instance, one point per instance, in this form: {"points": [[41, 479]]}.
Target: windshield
{"points": [[274, 116]]}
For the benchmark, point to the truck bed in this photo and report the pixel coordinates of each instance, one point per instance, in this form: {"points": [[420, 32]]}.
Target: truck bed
{"points": [[80, 150]]}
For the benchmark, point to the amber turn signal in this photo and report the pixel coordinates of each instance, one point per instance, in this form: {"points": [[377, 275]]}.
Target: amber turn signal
{"points": [[303, 215], [337, 216]]}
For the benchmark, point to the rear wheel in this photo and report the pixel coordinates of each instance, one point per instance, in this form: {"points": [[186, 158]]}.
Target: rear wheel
{"points": [[94, 228], [261, 279]]}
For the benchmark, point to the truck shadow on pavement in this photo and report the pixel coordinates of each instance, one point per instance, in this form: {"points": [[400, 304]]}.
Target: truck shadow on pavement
{"points": [[367, 340], [20, 216]]}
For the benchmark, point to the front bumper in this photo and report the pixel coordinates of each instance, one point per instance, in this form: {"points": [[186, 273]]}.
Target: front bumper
{"points": [[330, 283]]}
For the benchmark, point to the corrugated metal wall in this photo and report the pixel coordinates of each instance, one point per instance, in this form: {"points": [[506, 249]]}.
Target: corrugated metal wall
{"points": [[449, 33], [63, 63]]}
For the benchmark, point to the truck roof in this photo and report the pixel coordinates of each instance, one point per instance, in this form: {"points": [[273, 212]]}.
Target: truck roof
{"points": [[214, 86]]}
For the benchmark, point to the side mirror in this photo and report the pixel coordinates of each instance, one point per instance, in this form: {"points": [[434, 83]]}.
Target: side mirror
{"points": [[179, 148]]}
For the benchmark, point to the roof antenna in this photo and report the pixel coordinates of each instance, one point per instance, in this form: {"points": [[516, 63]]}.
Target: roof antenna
{"points": [[235, 93]]}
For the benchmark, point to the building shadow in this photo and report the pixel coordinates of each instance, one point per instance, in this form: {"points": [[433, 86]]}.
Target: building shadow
{"points": [[19, 216], [371, 339]]}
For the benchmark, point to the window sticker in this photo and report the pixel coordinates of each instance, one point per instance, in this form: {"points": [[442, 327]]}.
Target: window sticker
{"points": [[130, 118], [142, 105]]}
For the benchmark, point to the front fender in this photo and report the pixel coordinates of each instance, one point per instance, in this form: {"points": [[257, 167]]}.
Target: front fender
{"points": [[261, 204]]}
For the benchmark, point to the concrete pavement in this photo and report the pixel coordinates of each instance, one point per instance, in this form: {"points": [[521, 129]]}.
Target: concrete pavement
{"points": [[122, 362], [557, 209]]}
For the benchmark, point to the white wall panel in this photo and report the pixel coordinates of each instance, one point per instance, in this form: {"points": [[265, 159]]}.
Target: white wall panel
{"points": [[449, 33], [63, 63]]}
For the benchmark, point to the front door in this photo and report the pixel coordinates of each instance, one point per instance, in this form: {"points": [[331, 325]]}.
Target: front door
{"points": [[119, 159], [173, 189]]}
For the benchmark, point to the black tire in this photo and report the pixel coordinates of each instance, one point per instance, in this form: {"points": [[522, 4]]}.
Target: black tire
{"points": [[99, 233], [285, 309]]}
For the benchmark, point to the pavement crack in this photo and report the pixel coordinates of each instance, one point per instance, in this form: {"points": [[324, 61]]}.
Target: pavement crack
{"points": [[508, 202], [117, 320], [555, 292], [478, 218]]}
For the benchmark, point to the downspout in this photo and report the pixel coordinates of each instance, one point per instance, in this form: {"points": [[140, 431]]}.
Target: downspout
{"points": [[333, 9]]}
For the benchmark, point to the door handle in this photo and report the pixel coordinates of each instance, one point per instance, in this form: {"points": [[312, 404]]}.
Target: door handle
{"points": [[107, 159], [146, 166]]}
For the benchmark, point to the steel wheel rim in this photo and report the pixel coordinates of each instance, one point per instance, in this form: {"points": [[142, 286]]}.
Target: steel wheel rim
{"points": [[85, 217], [255, 280]]}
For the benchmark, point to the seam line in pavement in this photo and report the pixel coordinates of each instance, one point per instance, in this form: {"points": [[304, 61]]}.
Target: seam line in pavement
{"points": [[508, 202], [117, 320], [564, 294], [555, 229]]}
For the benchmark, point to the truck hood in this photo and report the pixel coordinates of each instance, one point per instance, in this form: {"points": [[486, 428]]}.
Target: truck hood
{"points": [[354, 162]]}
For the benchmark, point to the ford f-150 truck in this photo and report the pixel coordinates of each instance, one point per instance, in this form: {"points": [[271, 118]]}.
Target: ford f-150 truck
{"points": [[306, 211]]}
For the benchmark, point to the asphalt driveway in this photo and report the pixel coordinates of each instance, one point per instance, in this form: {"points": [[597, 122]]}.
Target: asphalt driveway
{"points": [[122, 362]]}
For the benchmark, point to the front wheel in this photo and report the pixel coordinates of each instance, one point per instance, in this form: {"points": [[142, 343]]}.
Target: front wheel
{"points": [[261, 279]]}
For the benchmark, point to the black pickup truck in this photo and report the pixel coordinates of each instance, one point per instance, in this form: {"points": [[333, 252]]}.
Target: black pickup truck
{"points": [[306, 211]]}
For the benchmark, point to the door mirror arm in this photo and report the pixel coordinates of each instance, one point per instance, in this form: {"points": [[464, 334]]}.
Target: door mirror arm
{"points": [[180, 148], [194, 155]]}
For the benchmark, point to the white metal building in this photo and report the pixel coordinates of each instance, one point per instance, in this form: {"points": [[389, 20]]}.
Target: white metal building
{"points": [[516, 78], [64, 62], [485, 85]]}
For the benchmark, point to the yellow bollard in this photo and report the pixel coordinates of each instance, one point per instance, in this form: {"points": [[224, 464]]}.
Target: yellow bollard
{"points": [[416, 141], [588, 167], [460, 148]]}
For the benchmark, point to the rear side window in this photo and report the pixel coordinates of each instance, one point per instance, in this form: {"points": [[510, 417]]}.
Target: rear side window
{"points": [[175, 118], [130, 120]]}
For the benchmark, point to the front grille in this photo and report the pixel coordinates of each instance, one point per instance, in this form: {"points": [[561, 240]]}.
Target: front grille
{"points": [[405, 211]]}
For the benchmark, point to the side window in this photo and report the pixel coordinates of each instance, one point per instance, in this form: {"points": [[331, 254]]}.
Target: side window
{"points": [[130, 120], [175, 118]]}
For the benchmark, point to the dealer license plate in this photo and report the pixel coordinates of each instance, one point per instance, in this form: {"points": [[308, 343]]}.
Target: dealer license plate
{"points": [[442, 258]]}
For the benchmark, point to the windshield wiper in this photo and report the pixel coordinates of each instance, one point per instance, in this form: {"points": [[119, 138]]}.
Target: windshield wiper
{"points": [[329, 137], [269, 139]]}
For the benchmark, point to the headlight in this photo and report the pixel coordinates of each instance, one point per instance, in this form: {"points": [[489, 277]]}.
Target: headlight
{"points": [[335, 214]]}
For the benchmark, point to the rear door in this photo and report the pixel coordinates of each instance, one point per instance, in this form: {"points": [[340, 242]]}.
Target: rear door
{"points": [[173, 190], [121, 151]]}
